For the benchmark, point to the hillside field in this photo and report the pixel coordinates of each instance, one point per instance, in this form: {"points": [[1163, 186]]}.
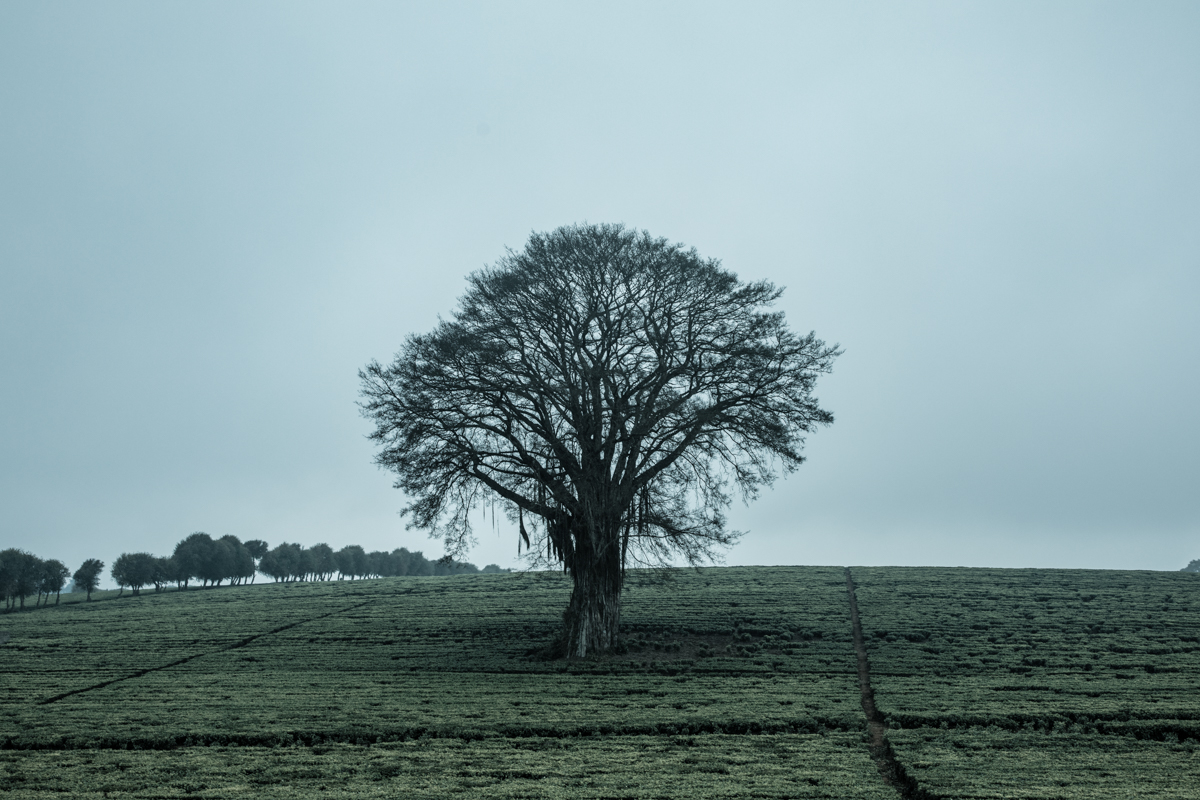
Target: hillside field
{"points": [[736, 682]]}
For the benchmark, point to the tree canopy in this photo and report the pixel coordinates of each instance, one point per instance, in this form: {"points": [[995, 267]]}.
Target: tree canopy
{"points": [[87, 577], [134, 570], [52, 578], [610, 388], [20, 575]]}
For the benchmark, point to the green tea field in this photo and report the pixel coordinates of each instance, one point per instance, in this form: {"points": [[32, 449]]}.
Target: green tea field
{"points": [[735, 682]]}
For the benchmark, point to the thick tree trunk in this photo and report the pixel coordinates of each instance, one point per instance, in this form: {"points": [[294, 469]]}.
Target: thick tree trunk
{"points": [[593, 617]]}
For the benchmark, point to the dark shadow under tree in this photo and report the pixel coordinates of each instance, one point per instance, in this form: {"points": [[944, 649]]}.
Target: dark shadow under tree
{"points": [[609, 389]]}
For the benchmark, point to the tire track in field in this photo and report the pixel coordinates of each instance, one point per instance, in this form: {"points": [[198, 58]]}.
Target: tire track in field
{"points": [[240, 643], [882, 754]]}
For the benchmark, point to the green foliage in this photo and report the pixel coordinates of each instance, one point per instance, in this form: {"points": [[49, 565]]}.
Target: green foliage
{"points": [[87, 577], [20, 575], [52, 577], [134, 570]]}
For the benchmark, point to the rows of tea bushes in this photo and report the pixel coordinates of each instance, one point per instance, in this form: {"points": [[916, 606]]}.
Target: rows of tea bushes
{"points": [[73, 647], [766, 650], [1037, 683], [973, 646], [829, 766], [737, 682], [983, 763]]}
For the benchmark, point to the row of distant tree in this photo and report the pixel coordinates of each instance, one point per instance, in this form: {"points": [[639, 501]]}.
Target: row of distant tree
{"points": [[199, 557], [291, 562], [211, 562], [25, 575]]}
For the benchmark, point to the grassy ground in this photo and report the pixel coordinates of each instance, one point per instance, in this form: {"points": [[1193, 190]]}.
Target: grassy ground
{"points": [[1038, 683], [737, 682]]}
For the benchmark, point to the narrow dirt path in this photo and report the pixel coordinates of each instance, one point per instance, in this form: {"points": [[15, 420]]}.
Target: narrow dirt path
{"points": [[890, 769], [240, 643]]}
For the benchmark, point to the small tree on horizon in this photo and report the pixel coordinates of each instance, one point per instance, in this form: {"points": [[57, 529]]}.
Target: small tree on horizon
{"points": [[257, 548], [239, 564], [20, 576], [164, 571], [351, 561], [53, 578], [191, 556], [608, 389], [87, 577], [134, 570], [27, 575], [324, 561]]}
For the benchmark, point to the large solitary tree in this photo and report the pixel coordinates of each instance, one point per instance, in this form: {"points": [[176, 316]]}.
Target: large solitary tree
{"points": [[609, 389]]}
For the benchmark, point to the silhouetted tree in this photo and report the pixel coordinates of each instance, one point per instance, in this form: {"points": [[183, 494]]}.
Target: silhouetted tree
{"points": [[258, 548], [52, 579], [7, 569], [8, 575], [20, 576], [401, 561], [324, 561], [351, 561], [240, 563], [308, 568], [134, 570], [192, 555], [268, 566], [284, 562], [87, 577], [165, 571], [417, 564], [607, 387], [27, 575], [219, 564], [1193, 566]]}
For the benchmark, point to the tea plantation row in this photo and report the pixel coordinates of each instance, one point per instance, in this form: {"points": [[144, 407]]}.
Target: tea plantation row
{"points": [[732, 682], [1038, 683]]}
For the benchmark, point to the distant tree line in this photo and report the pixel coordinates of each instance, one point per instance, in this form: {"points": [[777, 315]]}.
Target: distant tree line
{"points": [[199, 557], [292, 562], [211, 562], [25, 575], [1194, 566]]}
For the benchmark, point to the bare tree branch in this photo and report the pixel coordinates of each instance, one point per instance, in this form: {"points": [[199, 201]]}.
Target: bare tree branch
{"points": [[611, 387]]}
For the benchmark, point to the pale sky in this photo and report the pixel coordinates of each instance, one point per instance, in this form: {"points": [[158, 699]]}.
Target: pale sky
{"points": [[213, 214]]}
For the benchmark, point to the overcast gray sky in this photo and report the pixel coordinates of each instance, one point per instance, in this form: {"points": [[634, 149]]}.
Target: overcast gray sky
{"points": [[213, 214]]}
